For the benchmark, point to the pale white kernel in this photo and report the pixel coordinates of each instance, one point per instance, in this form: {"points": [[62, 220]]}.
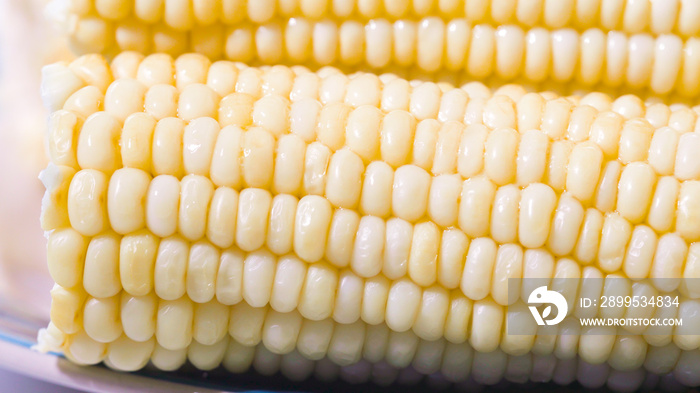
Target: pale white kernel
{"points": [[556, 173], [344, 183], [635, 191], [236, 109], [331, 125], [447, 148], [124, 97], [508, 267], [410, 192], [346, 344], [537, 205], [66, 253], [397, 132], [167, 147], [362, 132], [475, 206], [316, 163], [667, 266], [422, 262], [566, 223], [195, 197], [478, 267], [289, 164], [257, 163], [101, 269], [258, 277], [584, 169], [363, 89], [532, 157], [397, 247], [396, 94], [136, 141], [174, 323], [687, 163], [369, 246], [425, 100], [538, 269], [271, 112], [341, 237], [229, 277], [451, 256], [222, 77], [662, 150], [614, 237], [606, 193], [126, 199], [402, 305], [429, 324], [202, 267], [225, 162], [374, 300], [97, 145], [470, 161], [504, 214], [664, 204], [125, 354], [246, 323], [311, 225], [87, 202], [487, 319], [280, 331], [318, 293], [138, 316], [348, 300], [280, 229], [481, 51], [199, 138], [424, 143], [499, 112], [252, 218], [314, 338]]}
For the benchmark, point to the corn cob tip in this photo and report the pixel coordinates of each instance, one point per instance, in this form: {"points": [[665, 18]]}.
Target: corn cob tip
{"points": [[58, 82]]}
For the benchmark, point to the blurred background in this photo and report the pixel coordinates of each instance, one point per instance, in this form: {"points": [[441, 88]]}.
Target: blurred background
{"points": [[27, 42]]}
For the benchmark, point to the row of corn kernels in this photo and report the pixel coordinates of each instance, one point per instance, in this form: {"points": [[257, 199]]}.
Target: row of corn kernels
{"points": [[662, 64], [448, 367], [143, 265], [675, 16], [176, 325], [315, 227]]}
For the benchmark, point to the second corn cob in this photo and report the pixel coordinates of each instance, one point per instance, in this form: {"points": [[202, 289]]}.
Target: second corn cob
{"points": [[610, 45]]}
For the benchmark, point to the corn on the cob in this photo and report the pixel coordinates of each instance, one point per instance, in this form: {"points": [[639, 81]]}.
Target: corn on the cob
{"points": [[333, 166], [199, 209], [203, 276]]}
